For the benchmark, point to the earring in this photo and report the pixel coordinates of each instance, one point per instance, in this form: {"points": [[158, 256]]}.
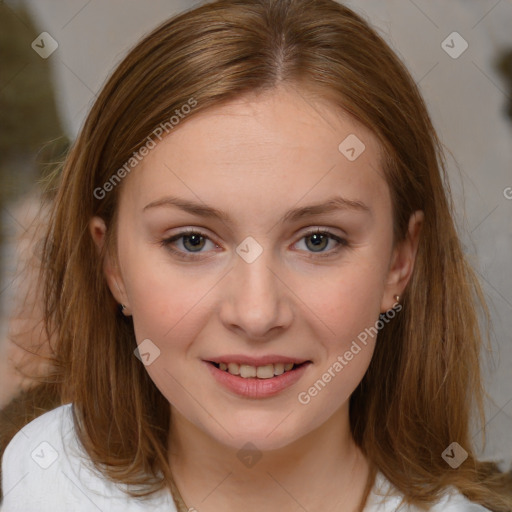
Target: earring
{"points": [[397, 298], [123, 307]]}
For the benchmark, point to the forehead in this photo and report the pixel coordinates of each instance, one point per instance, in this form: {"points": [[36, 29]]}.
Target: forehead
{"points": [[262, 149]]}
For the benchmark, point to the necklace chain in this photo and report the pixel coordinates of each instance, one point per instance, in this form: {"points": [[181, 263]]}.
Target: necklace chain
{"points": [[181, 507]]}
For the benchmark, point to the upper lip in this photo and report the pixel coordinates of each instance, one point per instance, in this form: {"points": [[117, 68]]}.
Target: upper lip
{"points": [[256, 361]]}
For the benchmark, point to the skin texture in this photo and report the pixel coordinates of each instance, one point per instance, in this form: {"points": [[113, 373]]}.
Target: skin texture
{"points": [[256, 158]]}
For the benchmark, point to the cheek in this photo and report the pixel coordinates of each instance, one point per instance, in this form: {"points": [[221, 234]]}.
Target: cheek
{"points": [[172, 321], [164, 296], [169, 309], [346, 300], [349, 312]]}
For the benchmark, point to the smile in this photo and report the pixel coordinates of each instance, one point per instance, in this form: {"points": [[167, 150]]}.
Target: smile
{"points": [[261, 372], [262, 380]]}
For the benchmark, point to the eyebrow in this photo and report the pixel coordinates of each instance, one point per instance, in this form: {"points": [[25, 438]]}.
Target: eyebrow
{"points": [[335, 203]]}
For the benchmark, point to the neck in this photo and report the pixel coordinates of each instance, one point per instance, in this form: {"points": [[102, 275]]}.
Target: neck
{"points": [[323, 470]]}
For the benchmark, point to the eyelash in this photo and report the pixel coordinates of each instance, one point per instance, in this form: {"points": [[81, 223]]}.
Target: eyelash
{"points": [[342, 243]]}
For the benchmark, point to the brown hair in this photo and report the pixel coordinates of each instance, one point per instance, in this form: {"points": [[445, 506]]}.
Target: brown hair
{"points": [[426, 358]]}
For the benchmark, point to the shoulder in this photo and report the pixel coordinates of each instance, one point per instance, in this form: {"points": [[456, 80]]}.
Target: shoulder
{"points": [[34, 453], [45, 468], [30, 463], [385, 498]]}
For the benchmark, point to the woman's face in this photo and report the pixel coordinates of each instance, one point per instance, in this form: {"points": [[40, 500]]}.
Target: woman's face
{"points": [[252, 287]]}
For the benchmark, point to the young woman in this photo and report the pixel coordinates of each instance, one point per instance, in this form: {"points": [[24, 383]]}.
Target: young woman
{"points": [[253, 287]]}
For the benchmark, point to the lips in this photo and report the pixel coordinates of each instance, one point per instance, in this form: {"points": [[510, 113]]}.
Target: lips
{"points": [[255, 361], [264, 367], [256, 377]]}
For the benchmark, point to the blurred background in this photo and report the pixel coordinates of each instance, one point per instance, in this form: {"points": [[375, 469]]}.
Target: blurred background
{"points": [[55, 56]]}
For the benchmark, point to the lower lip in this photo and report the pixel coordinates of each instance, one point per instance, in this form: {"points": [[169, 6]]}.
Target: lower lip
{"points": [[254, 387]]}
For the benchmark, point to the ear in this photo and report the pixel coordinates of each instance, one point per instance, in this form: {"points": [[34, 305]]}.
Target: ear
{"points": [[402, 262], [98, 231]]}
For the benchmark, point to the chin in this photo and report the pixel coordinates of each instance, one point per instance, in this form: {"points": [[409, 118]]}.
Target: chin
{"points": [[265, 433]]}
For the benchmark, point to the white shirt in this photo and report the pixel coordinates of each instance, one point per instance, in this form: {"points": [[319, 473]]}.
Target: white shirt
{"points": [[45, 469]]}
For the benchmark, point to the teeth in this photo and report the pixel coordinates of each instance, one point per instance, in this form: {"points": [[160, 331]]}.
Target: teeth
{"points": [[234, 369], [278, 368], [265, 372], [247, 371], [262, 372]]}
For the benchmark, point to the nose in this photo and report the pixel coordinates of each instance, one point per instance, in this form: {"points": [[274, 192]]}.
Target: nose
{"points": [[256, 300]]}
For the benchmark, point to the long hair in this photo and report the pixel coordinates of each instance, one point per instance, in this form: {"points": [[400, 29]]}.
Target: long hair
{"points": [[423, 384]]}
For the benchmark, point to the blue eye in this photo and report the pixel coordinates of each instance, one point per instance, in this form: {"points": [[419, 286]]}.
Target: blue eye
{"points": [[193, 241], [318, 238]]}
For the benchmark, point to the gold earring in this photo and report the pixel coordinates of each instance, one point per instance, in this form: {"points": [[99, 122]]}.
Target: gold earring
{"points": [[397, 298]]}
